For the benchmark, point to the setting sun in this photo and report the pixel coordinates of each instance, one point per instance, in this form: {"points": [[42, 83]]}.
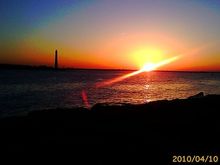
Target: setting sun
{"points": [[152, 66], [146, 58], [122, 76], [148, 67]]}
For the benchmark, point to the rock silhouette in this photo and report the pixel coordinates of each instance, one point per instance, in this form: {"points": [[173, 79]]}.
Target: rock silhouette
{"points": [[118, 134]]}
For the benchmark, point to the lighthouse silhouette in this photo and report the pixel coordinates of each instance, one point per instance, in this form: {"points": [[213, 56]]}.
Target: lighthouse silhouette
{"points": [[56, 60]]}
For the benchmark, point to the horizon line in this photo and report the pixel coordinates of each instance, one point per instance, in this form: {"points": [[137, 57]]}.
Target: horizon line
{"points": [[25, 66]]}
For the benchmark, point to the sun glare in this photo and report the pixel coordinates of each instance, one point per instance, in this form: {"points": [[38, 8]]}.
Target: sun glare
{"points": [[152, 66], [147, 57], [148, 67]]}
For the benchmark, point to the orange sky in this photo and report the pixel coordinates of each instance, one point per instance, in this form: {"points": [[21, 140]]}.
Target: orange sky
{"points": [[112, 34]]}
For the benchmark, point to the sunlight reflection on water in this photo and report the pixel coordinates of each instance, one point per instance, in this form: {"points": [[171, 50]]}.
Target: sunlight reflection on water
{"points": [[34, 90]]}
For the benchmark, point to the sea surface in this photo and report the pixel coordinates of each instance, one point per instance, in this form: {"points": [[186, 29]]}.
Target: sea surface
{"points": [[22, 91]]}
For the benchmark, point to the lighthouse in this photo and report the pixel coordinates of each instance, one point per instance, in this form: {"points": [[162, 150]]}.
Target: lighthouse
{"points": [[56, 60]]}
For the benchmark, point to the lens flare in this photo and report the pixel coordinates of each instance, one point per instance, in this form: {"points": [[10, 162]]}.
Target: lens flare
{"points": [[85, 99], [146, 68], [150, 66]]}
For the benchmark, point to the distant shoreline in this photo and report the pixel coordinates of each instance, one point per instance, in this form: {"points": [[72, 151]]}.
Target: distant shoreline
{"points": [[45, 67]]}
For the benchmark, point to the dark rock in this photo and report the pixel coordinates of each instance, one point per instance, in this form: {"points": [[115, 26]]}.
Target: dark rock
{"points": [[199, 95], [149, 133]]}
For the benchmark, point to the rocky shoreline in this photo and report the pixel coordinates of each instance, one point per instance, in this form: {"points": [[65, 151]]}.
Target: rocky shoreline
{"points": [[118, 134]]}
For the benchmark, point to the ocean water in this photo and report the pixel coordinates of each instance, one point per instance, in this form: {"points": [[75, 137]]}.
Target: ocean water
{"points": [[22, 91]]}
